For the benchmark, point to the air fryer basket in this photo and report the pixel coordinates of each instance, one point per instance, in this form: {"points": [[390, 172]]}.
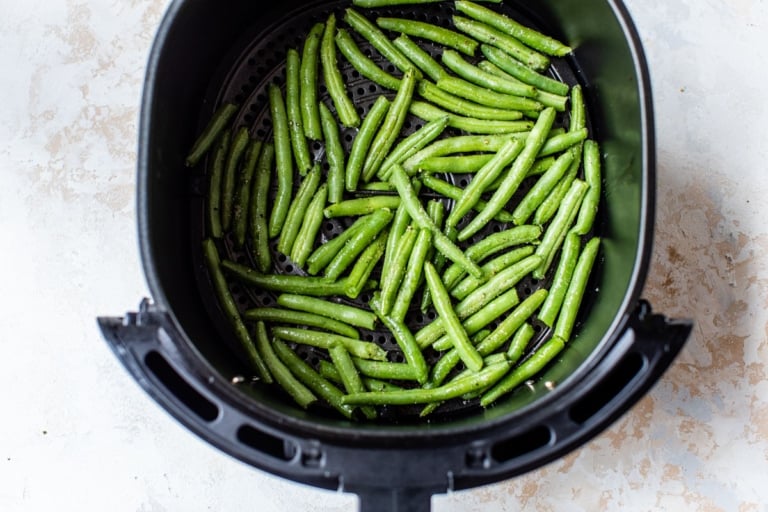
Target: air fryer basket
{"points": [[205, 54]]}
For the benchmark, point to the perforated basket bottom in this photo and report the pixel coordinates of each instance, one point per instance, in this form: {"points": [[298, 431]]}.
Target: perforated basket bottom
{"points": [[262, 63]]}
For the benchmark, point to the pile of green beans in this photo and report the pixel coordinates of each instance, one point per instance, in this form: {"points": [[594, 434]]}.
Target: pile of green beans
{"points": [[500, 147]]}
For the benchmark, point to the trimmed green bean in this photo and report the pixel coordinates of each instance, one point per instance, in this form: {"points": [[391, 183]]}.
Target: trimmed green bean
{"points": [[308, 74], [362, 349], [525, 371], [455, 193], [390, 129], [529, 36], [300, 393], [362, 143], [293, 108], [310, 227], [485, 96], [259, 200], [478, 76], [236, 150], [377, 221], [413, 143], [229, 307], [316, 286], [520, 342], [298, 209], [517, 173], [515, 68], [558, 228], [544, 185], [214, 186], [592, 176], [578, 109], [464, 107], [405, 341], [399, 224], [441, 242], [323, 255], [313, 380], [241, 209], [348, 314], [454, 164], [282, 141], [555, 101], [365, 264], [329, 371], [460, 144], [573, 297], [378, 186], [361, 206], [386, 369], [416, 54], [287, 316], [413, 275], [549, 207], [210, 133], [350, 378], [372, 384], [362, 63], [429, 112], [562, 142], [490, 35], [436, 212], [493, 267], [334, 81], [563, 274], [434, 33], [391, 281]]}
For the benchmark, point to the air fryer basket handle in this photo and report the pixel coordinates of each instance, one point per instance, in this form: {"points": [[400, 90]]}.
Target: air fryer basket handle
{"points": [[395, 500]]}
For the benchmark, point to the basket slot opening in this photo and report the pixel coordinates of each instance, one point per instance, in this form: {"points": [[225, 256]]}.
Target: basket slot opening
{"points": [[266, 443], [608, 389], [180, 388], [519, 445]]}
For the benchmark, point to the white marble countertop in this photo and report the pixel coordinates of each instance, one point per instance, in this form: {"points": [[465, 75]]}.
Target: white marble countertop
{"points": [[77, 433]]}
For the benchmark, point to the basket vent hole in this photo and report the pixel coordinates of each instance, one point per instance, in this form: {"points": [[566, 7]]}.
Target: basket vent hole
{"points": [[521, 444], [181, 389], [266, 443]]}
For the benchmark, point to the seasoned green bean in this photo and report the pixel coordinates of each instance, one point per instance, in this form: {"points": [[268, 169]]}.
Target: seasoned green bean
{"points": [[405, 341], [293, 108], [429, 112], [350, 378], [236, 150], [515, 68], [592, 176], [478, 76], [520, 342], [323, 255], [365, 265], [378, 186], [334, 154], [363, 349], [210, 133], [386, 369], [539, 192], [376, 222], [361, 206], [578, 109], [573, 297], [362, 63], [316, 286], [214, 186], [241, 208], [413, 275], [399, 224], [298, 209], [491, 268], [490, 35], [260, 194], [549, 207], [334, 82], [485, 96], [562, 278], [348, 314], [228, 305], [562, 142], [419, 57], [300, 393], [434, 33], [287, 316], [455, 193], [464, 107], [391, 281], [413, 143], [460, 144], [310, 226], [310, 113], [362, 143], [282, 141], [454, 164]]}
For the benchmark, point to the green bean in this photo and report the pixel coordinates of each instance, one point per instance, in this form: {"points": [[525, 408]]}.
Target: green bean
{"points": [[493, 267], [562, 142], [483, 178], [416, 54], [310, 226], [370, 4], [441, 242], [334, 81], [390, 129], [348, 314], [480, 77], [313, 380], [378, 40], [229, 307], [573, 297], [461, 106], [399, 224], [214, 186], [386, 369], [434, 33], [549, 207], [323, 255], [329, 371], [510, 65], [258, 214], [527, 35], [316, 286], [455, 164], [243, 193], [539, 192], [436, 212], [298, 210], [578, 109], [300, 393], [210, 133], [293, 107], [413, 275], [520, 342], [558, 228], [555, 101], [310, 113], [485, 96], [372, 384], [390, 282], [361, 206], [287, 316], [237, 148], [378, 186], [363, 139], [460, 144], [377, 221], [365, 265], [480, 380], [487, 34], [516, 175], [525, 371], [405, 341], [363, 349], [350, 378], [592, 176], [429, 112], [563, 274], [455, 193], [413, 143], [284, 160], [362, 63]]}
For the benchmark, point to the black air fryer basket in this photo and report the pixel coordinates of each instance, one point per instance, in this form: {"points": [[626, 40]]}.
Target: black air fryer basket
{"points": [[206, 53]]}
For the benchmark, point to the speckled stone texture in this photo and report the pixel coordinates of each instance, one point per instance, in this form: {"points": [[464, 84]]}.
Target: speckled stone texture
{"points": [[76, 432]]}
